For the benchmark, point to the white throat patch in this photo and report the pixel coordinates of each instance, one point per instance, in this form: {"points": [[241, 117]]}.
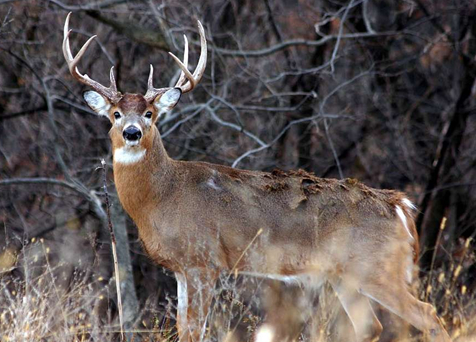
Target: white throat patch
{"points": [[129, 155]]}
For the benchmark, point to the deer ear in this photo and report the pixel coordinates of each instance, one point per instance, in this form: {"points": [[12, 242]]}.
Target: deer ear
{"points": [[97, 102], [167, 101]]}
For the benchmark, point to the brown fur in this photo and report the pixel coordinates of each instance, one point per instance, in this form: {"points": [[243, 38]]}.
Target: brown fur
{"points": [[132, 103]]}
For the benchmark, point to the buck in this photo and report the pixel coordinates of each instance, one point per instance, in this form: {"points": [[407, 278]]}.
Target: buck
{"points": [[199, 219]]}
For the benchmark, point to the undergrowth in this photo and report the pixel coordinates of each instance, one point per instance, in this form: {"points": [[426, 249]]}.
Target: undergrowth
{"points": [[36, 305]]}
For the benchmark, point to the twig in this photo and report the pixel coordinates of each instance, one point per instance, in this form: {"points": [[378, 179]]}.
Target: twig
{"points": [[365, 15], [298, 42], [44, 180], [340, 34], [92, 5], [188, 117], [334, 152], [277, 33], [280, 134], [234, 268], [433, 257], [23, 112], [321, 114], [234, 126], [114, 252], [89, 195]]}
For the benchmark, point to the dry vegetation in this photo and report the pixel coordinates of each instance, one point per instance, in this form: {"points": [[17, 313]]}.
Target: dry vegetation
{"points": [[379, 90]]}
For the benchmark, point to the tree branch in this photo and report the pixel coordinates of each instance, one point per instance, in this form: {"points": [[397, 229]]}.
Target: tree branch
{"points": [[87, 6], [298, 42], [137, 33], [23, 112]]}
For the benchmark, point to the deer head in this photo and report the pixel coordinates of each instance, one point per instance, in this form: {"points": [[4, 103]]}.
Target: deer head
{"points": [[133, 116]]}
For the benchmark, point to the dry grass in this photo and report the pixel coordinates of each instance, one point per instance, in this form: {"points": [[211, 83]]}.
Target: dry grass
{"points": [[37, 305]]}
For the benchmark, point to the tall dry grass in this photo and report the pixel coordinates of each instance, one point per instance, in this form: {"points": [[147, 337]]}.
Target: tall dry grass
{"points": [[41, 301]]}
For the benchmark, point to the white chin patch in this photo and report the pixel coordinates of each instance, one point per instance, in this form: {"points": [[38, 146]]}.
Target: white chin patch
{"points": [[129, 154], [132, 143]]}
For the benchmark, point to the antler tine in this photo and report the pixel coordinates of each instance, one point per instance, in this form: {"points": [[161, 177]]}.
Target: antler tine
{"points": [[202, 62], [151, 78], [151, 91], [111, 93], [194, 78], [187, 74], [182, 77], [66, 31]]}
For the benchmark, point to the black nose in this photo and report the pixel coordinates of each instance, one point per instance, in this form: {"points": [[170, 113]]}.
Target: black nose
{"points": [[132, 133]]}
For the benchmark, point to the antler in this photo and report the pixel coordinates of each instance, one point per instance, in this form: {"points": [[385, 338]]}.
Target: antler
{"points": [[111, 93], [193, 79]]}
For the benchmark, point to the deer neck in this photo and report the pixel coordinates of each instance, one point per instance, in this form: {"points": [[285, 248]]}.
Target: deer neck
{"points": [[140, 171]]}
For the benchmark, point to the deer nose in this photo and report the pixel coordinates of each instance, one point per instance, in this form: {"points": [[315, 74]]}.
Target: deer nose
{"points": [[132, 133]]}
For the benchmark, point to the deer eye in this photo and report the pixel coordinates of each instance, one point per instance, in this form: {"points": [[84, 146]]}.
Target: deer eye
{"points": [[148, 115], [117, 115]]}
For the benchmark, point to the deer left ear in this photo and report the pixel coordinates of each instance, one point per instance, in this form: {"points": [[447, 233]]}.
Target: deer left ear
{"points": [[167, 101], [97, 102]]}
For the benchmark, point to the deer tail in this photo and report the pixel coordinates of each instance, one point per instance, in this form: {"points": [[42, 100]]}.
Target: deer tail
{"points": [[405, 210]]}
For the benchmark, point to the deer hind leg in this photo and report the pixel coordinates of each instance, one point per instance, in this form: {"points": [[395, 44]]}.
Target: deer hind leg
{"points": [[395, 296], [195, 293], [366, 325]]}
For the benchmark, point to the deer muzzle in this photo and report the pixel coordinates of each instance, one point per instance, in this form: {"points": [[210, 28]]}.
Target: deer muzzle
{"points": [[132, 134]]}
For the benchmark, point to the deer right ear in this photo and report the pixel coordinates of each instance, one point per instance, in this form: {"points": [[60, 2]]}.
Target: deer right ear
{"points": [[167, 101], [97, 102]]}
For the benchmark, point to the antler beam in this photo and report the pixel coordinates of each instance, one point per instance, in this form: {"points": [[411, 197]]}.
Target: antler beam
{"points": [[185, 75], [111, 93]]}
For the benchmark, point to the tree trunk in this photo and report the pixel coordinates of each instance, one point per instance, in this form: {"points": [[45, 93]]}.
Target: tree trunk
{"points": [[435, 203], [130, 302]]}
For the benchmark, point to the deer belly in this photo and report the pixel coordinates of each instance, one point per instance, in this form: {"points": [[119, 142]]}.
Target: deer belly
{"points": [[181, 247]]}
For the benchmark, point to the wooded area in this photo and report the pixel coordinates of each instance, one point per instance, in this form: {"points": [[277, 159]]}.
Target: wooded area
{"points": [[381, 91]]}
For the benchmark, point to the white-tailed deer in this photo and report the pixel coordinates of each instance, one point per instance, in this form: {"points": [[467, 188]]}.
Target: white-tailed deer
{"points": [[198, 219]]}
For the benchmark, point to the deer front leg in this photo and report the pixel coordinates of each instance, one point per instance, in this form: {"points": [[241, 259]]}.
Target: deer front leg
{"points": [[195, 290], [394, 295]]}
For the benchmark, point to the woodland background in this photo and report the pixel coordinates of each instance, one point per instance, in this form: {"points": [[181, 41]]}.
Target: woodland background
{"points": [[378, 90]]}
